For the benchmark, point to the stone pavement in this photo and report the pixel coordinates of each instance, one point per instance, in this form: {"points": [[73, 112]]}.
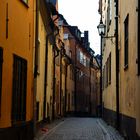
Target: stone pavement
{"points": [[78, 129]]}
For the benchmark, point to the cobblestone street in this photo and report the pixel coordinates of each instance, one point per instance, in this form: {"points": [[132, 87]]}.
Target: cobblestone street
{"points": [[81, 129]]}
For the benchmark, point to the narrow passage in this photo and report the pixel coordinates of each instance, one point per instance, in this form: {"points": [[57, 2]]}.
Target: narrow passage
{"points": [[82, 129]]}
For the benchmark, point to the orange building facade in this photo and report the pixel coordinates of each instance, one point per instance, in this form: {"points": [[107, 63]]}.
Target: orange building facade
{"points": [[16, 52]]}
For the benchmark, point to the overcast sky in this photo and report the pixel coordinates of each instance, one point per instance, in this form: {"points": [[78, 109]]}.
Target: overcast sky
{"points": [[84, 14]]}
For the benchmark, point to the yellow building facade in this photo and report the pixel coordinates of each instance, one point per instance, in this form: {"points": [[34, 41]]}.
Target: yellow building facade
{"points": [[45, 89], [109, 62], [129, 68], [41, 68], [16, 45], [122, 106]]}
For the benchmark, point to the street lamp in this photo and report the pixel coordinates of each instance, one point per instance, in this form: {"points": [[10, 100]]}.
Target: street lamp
{"points": [[101, 29]]}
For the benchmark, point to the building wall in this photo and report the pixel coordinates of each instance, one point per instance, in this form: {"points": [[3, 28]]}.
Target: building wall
{"points": [[129, 81], [70, 88], [95, 89], [83, 84], [109, 58], [20, 42], [49, 81], [128, 78], [70, 74], [41, 66], [138, 79], [109, 89]]}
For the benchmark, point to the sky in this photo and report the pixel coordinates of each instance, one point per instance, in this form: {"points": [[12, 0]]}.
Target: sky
{"points": [[84, 14]]}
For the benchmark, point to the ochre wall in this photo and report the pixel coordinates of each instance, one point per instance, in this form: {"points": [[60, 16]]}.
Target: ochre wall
{"points": [[41, 66], [21, 24]]}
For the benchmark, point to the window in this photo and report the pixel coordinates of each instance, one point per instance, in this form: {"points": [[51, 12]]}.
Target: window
{"points": [[106, 73], [81, 57], [66, 36], [103, 79], [109, 14], [70, 53], [138, 38], [19, 89], [78, 54], [84, 60], [1, 61], [126, 37], [38, 57], [109, 67]]}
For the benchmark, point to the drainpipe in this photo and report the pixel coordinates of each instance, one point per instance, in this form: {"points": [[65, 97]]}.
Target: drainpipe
{"points": [[117, 68], [75, 80], [61, 81], [101, 108], [66, 73], [35, 66], [138, 34], [54, 81], [45, 77], [66, 89], [90, 85]]}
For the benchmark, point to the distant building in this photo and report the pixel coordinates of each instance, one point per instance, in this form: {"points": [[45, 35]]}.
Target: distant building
{"points": [[77, 48], [95, 87]]}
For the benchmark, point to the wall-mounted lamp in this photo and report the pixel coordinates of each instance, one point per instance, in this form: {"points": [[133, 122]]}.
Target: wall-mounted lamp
{"points": [[101, 29]]}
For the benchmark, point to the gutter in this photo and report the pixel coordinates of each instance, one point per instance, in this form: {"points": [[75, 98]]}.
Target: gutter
{"points": [[117, 69], [54, 81], [35, 66]]}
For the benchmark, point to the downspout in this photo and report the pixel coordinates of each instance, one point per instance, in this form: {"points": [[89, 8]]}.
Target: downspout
{"points": [[90, 84], [66, 73], [66, 89], [138, 34], [101, 91], [75, 80], [117, 68], [35, 66], [60, 83], [101, 75], [45, 77], [54, 81], [60, 89]]}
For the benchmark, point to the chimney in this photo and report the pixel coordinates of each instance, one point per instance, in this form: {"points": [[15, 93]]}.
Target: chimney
{"points": [[86, 42]]}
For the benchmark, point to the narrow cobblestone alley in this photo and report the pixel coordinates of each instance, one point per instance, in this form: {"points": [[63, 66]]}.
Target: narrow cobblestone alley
{"points": [[81, 129]]}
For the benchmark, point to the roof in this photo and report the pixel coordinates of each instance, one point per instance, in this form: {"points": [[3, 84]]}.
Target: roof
{"points": [[73, 30]]}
